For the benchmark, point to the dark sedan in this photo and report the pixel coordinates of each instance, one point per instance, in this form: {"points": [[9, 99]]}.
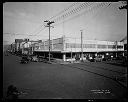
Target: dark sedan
{"points": [[24, 60]]}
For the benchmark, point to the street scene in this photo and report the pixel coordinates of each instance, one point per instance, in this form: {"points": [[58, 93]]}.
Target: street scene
{"points": [[65, 50], [89, 80]]}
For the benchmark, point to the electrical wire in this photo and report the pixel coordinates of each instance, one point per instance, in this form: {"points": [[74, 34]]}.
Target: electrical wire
{"points": [[83, 13], [54, 17], [60, 17], [102, 6], [78, 9], [66, 9], [67, 14], [125, 38], [81, 6], [71, 12], [37, 29], [12, 34]]}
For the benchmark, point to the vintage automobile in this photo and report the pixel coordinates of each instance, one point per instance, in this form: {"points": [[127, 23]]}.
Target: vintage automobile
{"points": [[91, 59], [46, 59], [98, 59], [41, 58], [24, 60], [34, 59]]}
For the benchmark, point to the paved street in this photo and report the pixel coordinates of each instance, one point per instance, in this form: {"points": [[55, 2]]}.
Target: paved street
{"points": [[89, 80]]}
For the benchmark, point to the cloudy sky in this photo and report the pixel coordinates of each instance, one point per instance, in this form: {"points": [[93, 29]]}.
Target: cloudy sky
{"points": [[27, 18]]}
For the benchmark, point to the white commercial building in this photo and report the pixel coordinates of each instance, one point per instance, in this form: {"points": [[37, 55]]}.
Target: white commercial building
{"points": [[68, 47]]}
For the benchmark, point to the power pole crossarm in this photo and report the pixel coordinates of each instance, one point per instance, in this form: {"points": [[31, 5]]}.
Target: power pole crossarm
{"points": [[50, 22]]}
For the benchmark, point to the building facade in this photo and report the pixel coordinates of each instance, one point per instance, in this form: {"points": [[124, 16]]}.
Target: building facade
{"points": [[23, 46], [67, 48]]}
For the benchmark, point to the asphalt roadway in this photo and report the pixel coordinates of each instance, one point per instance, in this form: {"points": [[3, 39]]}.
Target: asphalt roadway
{"points": [[38, 80]]}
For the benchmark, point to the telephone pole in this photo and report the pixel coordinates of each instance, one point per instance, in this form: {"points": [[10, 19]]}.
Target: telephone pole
{"points": [[48, 25], [81, 44]]}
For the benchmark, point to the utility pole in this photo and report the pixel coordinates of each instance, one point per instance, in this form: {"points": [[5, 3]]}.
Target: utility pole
{"points": [[48, 25], [71, 53], [116, 48], [81, 44]]}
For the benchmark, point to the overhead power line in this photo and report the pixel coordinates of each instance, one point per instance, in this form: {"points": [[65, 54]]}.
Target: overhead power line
{"points": [[85, 12], [83, 6], [13, 34], [73, 11], [39, 28], [38, 32], [125, 38], [101, 8], [66, 9], [66, 14], [23, 34]]}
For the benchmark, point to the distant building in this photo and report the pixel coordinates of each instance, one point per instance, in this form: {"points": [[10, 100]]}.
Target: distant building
{"points": [[27, 46], [124, 40], [18, 44], [13, 47], [23, 46]]}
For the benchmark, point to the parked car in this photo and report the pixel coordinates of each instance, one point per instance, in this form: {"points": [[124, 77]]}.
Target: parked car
{"points": [[91, 59], [40, 58], [77, 58], [34, 58], [98, 59], [47, 57], [107, 58], [24, 60]]}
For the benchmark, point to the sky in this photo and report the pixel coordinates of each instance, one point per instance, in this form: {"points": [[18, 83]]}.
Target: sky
{"points": [[25, 18]]}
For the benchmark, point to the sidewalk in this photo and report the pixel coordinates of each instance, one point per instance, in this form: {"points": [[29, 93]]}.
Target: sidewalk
{"points": [[118, 63], [122, 80]]}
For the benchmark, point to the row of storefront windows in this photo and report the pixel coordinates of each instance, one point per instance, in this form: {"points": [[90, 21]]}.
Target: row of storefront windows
{"points": [[69, 45], [54, 46]]}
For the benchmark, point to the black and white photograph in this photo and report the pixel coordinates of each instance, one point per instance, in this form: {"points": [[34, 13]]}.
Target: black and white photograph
{"points": [[65, 50]]}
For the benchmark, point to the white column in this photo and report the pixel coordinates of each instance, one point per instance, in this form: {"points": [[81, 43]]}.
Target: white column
{"points": [[64, 56], [123, 53], [64, 45], [123, 49], [96, 54]]}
